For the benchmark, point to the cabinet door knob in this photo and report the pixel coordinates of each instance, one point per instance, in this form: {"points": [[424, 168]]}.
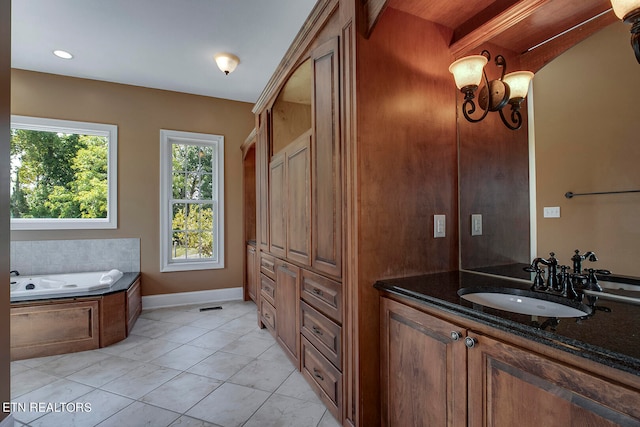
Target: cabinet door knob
{"points": [[316, 330], [455, 335], [317, 291], [470, 342]]}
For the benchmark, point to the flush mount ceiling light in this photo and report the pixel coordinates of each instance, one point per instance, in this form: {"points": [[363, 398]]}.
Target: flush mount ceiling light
{"points": [[510, 89], [629, 12], [62, 54], [227, 62]]}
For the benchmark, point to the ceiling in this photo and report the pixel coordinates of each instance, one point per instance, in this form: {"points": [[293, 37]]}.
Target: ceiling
{"points": [[535, 30], [162, 44]]}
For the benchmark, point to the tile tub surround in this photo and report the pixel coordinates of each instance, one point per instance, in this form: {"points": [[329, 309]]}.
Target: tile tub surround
{"points": [[75, 256], [179, 367]]}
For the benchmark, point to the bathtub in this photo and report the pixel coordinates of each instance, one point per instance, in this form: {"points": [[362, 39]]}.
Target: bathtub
{"points": [[63, 283]]}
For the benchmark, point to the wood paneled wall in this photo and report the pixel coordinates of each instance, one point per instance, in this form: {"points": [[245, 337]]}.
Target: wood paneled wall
{"points": [[407, 171]]}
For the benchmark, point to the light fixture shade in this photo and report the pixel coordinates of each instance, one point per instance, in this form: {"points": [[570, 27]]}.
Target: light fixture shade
{"points": [[518, 82], [227, 62], [622, 7], [467, 71]]}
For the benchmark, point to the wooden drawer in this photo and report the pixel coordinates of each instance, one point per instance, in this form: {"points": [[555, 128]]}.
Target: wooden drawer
{"points": [[323, 376], [268, 265], [268, 315], [322, 294], [324, 334], [268, 289]]}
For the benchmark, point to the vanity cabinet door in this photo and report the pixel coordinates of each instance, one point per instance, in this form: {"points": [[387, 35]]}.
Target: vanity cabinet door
{"points": [[424, 381], [509, 386], [277, 205], [287, 305], [326, 167]]}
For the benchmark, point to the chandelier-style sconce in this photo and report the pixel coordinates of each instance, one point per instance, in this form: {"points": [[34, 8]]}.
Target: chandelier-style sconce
{"points": [[227, 62], [510, 89], [629, 12]]}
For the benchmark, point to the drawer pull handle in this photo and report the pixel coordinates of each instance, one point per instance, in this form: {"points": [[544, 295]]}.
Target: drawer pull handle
{"points": [[266, 315], [317, 374], [317, 291], [316, 330]]}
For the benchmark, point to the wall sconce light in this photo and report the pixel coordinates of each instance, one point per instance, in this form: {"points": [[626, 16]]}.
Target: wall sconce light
{"points": [[496, 94], [629, 12], [227, 62]]}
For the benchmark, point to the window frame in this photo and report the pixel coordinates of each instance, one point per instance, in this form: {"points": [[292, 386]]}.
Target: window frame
{"points": [[167, 139], [85, 128]]}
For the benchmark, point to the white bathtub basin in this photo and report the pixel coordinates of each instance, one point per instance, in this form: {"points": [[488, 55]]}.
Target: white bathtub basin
{"points": [[62, 283]]}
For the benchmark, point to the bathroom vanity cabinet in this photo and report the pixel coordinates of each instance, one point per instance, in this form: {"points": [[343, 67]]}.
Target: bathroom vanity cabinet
{"points": [[440, 369]]}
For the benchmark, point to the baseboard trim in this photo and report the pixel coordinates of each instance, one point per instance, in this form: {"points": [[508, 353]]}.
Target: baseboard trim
{"points": [[7, 422], [187, 298]]}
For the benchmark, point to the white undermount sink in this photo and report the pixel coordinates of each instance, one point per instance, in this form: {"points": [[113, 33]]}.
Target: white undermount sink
{"points": [[525, 302]]}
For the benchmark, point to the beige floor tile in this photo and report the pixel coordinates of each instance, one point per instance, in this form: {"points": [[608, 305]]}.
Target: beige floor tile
{"points": [[152, 328], [283, 411], [296, 386], [214, 340], [126, 344], [183, 357], [71, 363], [328, 420], [27, 381], [101, 406], [240, 325], [182, 392], [140, 381], [248, 346], [185, 421], [149, 350], [58, 391], [184, 334], [104, 371], [140, 414], [265, 375], [220, 365], [229, 405]]}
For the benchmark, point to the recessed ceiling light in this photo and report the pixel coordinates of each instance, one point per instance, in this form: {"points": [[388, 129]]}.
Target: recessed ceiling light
{"points": [[62, 54]]}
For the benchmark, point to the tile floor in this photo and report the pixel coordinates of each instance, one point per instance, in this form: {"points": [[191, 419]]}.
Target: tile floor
{"points": [[179, 367]]}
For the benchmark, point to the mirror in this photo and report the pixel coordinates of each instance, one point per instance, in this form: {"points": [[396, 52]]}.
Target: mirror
{"points": [[583, 134]]}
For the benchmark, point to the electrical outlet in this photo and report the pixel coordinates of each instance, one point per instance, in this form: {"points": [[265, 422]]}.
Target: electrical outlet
{"points": [[551, 212], [439, 226], [476, 224]]}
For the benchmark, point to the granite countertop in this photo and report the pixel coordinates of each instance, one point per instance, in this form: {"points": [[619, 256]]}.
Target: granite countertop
{"points": [[123, 284], [611, 338]]}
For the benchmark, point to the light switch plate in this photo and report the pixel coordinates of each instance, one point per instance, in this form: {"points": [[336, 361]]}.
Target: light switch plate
{"points": [[476, 224], [439, 226], [551, 211]]}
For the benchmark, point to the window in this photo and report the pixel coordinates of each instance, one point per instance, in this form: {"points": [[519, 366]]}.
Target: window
{"points": [[191, 201], [63, 174]]}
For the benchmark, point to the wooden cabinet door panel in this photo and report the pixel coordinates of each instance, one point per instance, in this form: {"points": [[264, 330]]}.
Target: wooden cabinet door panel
{"points": [[267, 289], [327, 178], [277, 203], [512, 386], [251, 274], [287, 309], [424, 381], [263, 154], [298, 200]]}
